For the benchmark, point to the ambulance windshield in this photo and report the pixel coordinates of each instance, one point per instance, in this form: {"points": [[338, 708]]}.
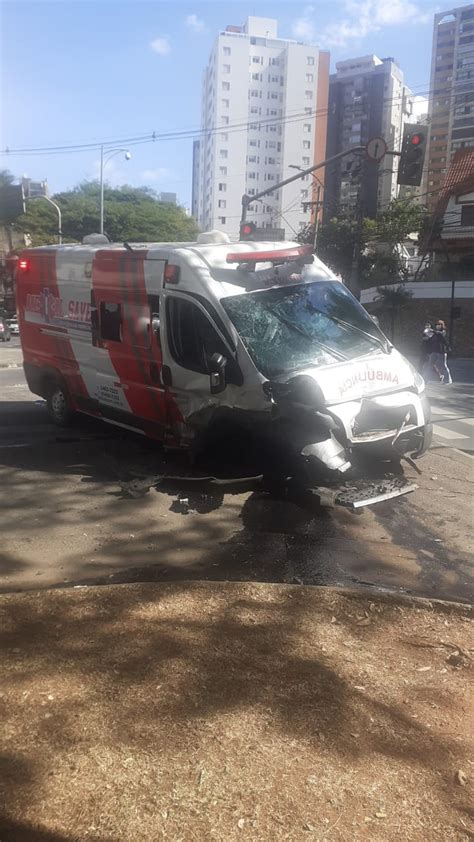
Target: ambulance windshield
{"points": [[293, 327]]}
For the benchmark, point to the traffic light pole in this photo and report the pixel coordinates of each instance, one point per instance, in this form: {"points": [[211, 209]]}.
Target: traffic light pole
{"points": [[247, 200]]}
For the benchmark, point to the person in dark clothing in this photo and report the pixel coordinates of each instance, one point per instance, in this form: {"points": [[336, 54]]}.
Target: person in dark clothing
{"points": [[424, 348], [438, 353]]}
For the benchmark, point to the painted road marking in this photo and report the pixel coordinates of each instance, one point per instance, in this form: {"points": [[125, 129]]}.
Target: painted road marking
{"points": [[447, 433]]}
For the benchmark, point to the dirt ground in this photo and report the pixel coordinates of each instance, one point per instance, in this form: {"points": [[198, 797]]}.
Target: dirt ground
{"points": [[196, 711]]}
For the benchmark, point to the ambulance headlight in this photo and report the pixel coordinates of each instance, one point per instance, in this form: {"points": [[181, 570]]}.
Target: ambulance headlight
{"points": [[418, 381]]}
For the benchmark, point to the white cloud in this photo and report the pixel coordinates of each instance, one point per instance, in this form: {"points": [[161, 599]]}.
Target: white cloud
{"points": [[303, 28], [358, 19], [195, 23], [158, 174], [161, 46]]}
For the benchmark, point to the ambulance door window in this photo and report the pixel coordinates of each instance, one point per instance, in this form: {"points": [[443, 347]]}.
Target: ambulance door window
{"points": [[111, 321], [193, 339]]}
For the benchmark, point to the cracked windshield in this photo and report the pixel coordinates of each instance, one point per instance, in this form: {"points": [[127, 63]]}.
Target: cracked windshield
{"points": [[236, 420], [296, 327]]}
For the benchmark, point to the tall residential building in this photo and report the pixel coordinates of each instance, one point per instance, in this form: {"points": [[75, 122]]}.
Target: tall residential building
{"points": [[260, 102], [195, 185], [452, 94], [367, 98]]}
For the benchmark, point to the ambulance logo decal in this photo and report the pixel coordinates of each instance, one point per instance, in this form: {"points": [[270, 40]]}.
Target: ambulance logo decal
{"points": [[48, 309]]}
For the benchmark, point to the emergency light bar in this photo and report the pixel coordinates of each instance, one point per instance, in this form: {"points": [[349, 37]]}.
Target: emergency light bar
{"points": [[270, 256]]}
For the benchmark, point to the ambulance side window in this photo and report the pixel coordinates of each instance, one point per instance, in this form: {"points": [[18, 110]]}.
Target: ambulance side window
{"points": [[111, 321], [193, 339]]}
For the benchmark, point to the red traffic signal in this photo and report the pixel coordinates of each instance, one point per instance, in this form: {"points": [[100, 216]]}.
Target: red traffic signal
{"points": [[247, 230], [412, 156]]}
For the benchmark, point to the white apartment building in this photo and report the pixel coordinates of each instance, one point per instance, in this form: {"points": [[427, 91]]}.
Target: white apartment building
{"points": [[260, 100]]}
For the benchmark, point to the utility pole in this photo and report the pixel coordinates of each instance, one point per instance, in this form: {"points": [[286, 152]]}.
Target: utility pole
{"points": [[316, 218], [354, 281]]}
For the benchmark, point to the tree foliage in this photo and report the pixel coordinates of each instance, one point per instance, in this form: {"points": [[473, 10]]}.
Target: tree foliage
{"points": [[380, 240], [131, 213]]}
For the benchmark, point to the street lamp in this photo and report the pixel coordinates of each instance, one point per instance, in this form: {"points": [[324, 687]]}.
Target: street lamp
{"points": [[58, 211], [103, 163]]}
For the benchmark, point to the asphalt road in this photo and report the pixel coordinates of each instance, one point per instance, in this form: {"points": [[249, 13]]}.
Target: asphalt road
{"points": [[67, 517]]}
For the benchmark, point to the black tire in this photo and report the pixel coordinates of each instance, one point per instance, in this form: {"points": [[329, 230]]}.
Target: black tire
{"points": [[59, 404]]}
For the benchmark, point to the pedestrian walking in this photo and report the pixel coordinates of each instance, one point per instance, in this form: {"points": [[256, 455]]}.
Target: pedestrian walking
{"points": [[424, 349], [438, 348]]}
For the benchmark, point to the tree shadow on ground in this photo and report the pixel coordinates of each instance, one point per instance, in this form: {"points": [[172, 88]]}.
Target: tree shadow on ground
{"points": [[144, 671]]}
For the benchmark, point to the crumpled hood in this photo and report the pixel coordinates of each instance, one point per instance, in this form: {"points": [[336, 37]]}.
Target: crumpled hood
{"points": [[369, 375]]}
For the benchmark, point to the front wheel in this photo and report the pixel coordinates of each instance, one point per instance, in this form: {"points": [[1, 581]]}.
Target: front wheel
{"points": [[59, 406]]}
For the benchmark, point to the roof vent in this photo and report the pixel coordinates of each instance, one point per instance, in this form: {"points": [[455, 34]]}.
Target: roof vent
{"points": [[212, 237], [94, 239]]}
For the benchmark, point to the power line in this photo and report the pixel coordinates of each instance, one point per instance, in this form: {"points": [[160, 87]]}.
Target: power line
{"points": [[152, 137]]}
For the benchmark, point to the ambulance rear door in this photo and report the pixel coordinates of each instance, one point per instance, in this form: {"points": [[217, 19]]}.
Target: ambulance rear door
{"points": [[125, 300]]}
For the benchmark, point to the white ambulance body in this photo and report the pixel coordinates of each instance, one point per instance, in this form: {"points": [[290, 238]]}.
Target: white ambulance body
{"points": [[179, 341]]}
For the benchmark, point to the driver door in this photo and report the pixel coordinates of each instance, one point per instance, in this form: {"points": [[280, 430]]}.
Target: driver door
{"points": [[189, 339]]}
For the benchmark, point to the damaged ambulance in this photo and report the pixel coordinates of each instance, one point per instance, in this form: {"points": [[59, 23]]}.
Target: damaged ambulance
{"points": [[257, 345]]}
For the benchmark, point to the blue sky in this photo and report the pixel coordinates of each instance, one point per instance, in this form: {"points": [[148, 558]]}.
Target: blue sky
{"points": [[90, 70]]}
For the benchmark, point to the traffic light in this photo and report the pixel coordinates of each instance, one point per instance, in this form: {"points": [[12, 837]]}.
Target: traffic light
{"points": [[12, 202], [410, 168], [248, 230]]}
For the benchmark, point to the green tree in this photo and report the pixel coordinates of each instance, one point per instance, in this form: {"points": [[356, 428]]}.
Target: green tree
{"points": [[379, 244], [6, 178], [131, 213]]}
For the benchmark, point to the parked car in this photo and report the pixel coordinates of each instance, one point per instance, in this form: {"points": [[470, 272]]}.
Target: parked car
{"points": [[5, 332], [14, 326]]}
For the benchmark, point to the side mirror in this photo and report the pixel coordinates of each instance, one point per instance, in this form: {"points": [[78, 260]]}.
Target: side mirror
{"points": [[217, 364], [155, 326]]}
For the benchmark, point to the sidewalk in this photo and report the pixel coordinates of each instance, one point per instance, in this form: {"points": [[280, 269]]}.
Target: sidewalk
{"points": [[205, 711]]}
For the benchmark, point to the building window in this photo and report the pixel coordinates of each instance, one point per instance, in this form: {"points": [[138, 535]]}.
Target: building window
{"points": [[225, 103], [270, 160], [221, 220], [221, 203], [305, 161], [222, 187], [223, 170], [226, 68], [255, 59], [257, 77], [310, 60], [223, 153], [252, 175], [306, 144], [254, 94], [272, 95], [271, 144], [308, 94], [275, 62], [254, 109], [224, 136], [253, 142], [227, 51], [252, 159], [309, 77], [307, 127], [226, 86], [225, 121]]}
